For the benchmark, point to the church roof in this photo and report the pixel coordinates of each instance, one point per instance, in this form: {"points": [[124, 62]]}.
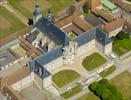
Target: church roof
{"points": [[95, 33], [52, 32], [46, 58]]}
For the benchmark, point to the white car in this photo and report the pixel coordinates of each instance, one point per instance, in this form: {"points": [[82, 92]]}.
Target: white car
{"points": [[113, 56]]}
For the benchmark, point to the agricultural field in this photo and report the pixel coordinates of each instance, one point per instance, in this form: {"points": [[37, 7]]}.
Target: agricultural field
{"points": [[9, 24], [26, 7]]}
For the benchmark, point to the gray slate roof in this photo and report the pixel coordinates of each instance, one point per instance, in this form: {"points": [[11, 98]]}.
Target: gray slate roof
{"points": [[95, 33], [6, 57], [52, 32]]}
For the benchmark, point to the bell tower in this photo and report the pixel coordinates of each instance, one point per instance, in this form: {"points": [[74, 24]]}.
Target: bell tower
{"points": [[70, 52], [37, 13]]}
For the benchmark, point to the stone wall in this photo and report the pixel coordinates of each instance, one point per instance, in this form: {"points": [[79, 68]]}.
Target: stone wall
{"points": [[108, 48], [84, 48]]}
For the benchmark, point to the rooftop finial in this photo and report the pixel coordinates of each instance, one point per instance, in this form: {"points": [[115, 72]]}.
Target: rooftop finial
{"points": [[37, 3], [37, 12], [49, 17]]}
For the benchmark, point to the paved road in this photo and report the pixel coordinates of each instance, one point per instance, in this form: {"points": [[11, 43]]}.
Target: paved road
{"points": [[16, 13]]}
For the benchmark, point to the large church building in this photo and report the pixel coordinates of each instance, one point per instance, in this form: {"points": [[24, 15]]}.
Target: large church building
{"points": [[63, 42]]}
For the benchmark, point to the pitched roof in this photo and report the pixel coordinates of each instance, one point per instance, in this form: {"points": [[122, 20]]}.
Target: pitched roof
{"points": [[104, 15], [95, 33], [52, 31], [123, 5], [75, 20], [114, 25]]}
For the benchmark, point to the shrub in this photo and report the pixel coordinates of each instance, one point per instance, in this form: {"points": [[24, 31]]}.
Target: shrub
{"points": [[123, 35]]}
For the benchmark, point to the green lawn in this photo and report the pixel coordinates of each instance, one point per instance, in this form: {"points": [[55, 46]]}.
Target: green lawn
{"points": [[16, 4], [55, 6], [123, 83], [72, 36], [58, 5], [108, 71], [122, 46], [93, 61], [89, 96], [72, 92], [11, 24], [64, 77]]}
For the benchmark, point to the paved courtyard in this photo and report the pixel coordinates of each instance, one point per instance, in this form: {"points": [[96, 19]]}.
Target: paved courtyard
{"points": [[77, 65], [32, 92]]}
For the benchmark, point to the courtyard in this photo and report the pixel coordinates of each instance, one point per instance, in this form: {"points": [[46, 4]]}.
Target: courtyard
{"points": [[26, 7], [64, 77], [32, 92], [9, 23]]}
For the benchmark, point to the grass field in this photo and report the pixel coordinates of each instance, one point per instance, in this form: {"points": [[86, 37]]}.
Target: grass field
{"points": [[26, 7], [108, 71], [89, 96], [122, 46], [9, 24], [64, 77], [72, 92], [123, 83], [93, 61]]}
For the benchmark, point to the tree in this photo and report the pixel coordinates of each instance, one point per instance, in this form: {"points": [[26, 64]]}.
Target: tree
{"points": [[85, 9], [93, 86], [122, 35], [105, 90]]}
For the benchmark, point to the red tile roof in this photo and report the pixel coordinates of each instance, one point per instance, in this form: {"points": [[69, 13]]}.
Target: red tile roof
{"points": [[123, 5], [103, 14], [114, 25], [75, 19]]}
